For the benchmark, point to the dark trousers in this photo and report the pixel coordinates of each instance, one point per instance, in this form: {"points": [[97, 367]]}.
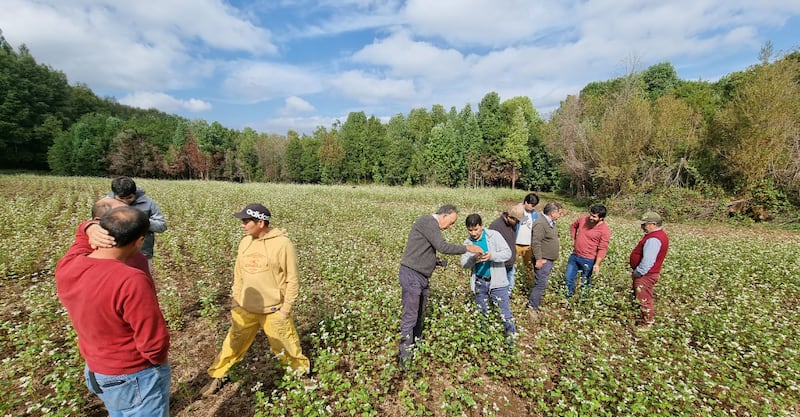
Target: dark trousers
{"points": [[415, 298], [542, 275]]}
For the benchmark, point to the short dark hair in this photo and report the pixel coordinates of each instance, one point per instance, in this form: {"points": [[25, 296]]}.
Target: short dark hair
{"points": [[123, 186], [473, 220], [599, 210], [531, 198], [551, 207], [125, 224], [447, 209]]}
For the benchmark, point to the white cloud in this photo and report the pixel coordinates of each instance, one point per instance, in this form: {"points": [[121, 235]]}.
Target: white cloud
{"points": [[164, 102], [369, 89], [295, 105], [379, 56], [345, 16], [148, 44], [408, 58], [214, 22], [483, 22], [253, 81]]}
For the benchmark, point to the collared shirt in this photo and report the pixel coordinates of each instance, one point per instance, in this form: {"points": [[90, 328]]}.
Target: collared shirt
{"points": [[649, 253], [549, 220]]}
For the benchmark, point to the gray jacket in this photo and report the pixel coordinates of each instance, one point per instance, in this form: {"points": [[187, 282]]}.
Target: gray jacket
{"points": [[158, 223], [500, 253]]}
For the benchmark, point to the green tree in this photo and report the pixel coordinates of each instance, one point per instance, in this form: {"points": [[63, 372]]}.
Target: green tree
{"points": [[700, 95], [469, 131], [399, 153], [659, 79], [248, 167], [515, 151], [294, 156], [270, 150], [419, 124], [755, 136], [619, 141], [353, 137], [567, 138], [331, 156], [490, 120], [311, 172], [81, 101], [83, 149], [33, 101], [676, 130], [438, 114], [445, 164], [536, 171], [159, 128], [375, 148]]}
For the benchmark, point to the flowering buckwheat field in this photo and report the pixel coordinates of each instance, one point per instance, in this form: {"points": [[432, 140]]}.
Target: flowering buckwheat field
{"points": [[726, 342]]}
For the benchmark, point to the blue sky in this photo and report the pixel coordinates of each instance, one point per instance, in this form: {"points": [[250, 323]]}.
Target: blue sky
{"points": [[276, 65]]}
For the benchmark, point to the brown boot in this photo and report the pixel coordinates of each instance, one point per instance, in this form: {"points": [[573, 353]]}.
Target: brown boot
{"points": [[212, 387]]}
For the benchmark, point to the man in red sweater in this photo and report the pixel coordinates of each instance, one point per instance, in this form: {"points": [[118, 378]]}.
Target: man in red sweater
{"points": [[646, 260], [122, 333], [590, 235], [86, 234]]}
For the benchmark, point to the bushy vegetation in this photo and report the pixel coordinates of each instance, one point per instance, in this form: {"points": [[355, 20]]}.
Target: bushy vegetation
{"points": [[640, 133], [726, 341]]}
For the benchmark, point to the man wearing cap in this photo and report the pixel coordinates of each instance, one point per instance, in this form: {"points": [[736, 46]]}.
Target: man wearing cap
{"points": [[646, 260], [416, 267], [265, 286], [506, 224], [590, 236]]}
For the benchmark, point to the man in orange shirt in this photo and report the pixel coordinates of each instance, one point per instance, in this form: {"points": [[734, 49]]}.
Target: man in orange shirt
{"points": [[590, 235]]}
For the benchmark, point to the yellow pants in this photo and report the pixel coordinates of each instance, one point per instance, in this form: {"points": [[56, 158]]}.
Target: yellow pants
{"points": [[281, 333], [526, 253]]}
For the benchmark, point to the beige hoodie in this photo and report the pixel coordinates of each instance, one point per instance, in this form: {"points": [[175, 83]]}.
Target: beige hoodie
{"points": [[265, 277]]}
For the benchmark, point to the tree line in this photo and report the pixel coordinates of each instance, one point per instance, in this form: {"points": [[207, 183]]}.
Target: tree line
{"points": [[647, 130]]}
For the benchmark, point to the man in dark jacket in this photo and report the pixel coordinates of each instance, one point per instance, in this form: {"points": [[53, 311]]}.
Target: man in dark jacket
{"points": [[416, 267], [545, 248], [506, 224]]}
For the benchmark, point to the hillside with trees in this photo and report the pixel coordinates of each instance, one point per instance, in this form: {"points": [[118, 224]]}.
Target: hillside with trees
{"points": [[646, 132]]}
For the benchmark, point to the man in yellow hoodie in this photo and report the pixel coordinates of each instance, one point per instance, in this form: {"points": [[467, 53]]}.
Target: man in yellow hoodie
{"points": [[265, 285]]}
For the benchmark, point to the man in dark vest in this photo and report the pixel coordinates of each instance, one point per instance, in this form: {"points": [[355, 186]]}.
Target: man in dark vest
{"points": [[646, 260]]}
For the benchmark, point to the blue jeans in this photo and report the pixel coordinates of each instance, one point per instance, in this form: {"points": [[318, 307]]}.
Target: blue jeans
{"points": [[499, 297], [140, 394], [575, 264], [542, 276], [510, 271]]}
